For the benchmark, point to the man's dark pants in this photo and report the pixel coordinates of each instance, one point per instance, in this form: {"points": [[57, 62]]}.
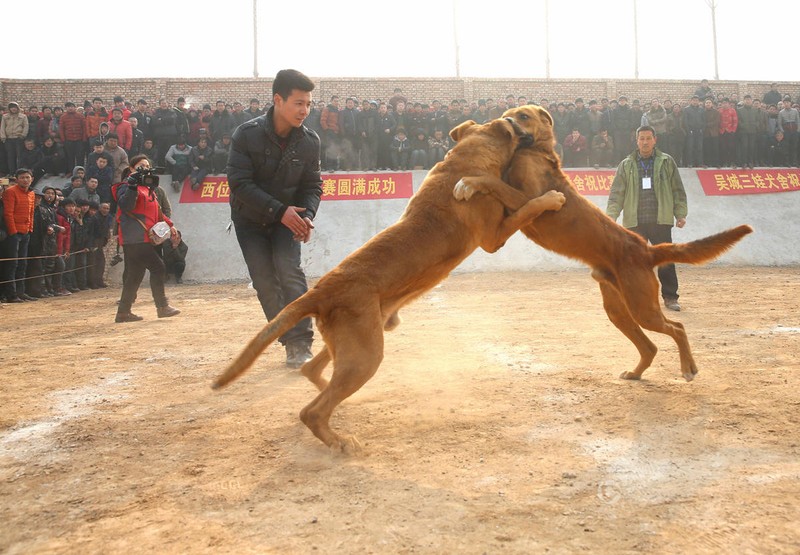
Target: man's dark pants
{"points": [[273, 260], [140, 257], [16, 250], [13, 150], [73, 151], [657, 234]]}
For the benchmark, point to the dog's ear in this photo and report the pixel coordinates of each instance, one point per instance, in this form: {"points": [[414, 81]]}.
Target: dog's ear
{"points": [[546, 116], [458, 131]]}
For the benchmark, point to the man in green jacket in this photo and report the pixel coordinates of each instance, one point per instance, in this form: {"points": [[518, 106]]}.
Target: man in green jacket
{"points": [[649, 192]]}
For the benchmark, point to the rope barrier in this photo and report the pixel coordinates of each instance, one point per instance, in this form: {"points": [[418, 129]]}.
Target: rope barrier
{"points": [[37, 276]]}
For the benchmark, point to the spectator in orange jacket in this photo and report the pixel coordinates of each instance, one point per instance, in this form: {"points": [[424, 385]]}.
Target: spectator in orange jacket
{"points": [[18, 206], [122, 128]]}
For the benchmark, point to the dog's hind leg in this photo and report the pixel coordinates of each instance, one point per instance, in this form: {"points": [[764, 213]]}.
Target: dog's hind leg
{"points": [[641, 298], [314, 367], [357, 353], [619, 315]]}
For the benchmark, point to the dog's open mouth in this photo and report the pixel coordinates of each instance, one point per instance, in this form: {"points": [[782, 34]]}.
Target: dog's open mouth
{"points": [[525, 139]]}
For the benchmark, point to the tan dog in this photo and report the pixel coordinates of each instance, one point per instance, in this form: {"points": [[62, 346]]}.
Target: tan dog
{"points": [[357, 300], [621, 261]]}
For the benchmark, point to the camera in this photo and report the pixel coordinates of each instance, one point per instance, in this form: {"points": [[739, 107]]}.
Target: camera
{"points": [[116, 259], [146, 177]]}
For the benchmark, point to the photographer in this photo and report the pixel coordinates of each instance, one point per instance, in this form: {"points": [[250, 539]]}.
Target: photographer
{"points": [[138, 210]]}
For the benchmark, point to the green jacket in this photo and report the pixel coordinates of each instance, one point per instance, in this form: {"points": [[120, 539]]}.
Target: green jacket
{"points": [[624, 195]]}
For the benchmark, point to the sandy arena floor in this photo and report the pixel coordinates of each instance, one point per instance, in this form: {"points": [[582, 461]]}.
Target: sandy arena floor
{"points": [[496, 424]]}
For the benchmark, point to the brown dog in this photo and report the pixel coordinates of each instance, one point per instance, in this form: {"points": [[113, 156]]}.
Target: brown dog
{"points": [[357, 300], [621, 261]]}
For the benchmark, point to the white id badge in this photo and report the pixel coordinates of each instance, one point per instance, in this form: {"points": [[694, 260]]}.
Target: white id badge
{"points": [[647, 183]]}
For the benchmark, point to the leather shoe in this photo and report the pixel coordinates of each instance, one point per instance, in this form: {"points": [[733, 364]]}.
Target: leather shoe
{"points": [[297, 354], [672, 304], [26, 297], [127, 317], [167, 311]]}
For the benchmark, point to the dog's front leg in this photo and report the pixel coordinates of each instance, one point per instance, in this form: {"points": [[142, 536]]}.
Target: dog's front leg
{"points": [[511, 198], [532, 209]]}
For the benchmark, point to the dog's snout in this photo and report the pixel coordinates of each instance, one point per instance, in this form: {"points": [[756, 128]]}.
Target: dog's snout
{"points": [[525, 139]]}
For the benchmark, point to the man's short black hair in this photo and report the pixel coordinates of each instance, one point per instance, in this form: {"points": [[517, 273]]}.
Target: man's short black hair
{"points": [[112, 136], [118, 99], [97, 98], [21, 171], [645, 128], [67, 201], [287, 80]]}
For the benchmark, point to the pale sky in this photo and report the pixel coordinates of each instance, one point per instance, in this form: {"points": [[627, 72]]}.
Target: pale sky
{"points": [[356, 38]]}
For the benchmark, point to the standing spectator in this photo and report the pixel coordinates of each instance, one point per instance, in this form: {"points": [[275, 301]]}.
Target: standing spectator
{"points": [[165, 125], [221, 122], [704, 91], [34, 280], [314, 117], [728, 123], [648, 190], [50, 264], [694, 121], [95, 117], [13, 131], [747, 132], [761, 131], [255, 109], [138, 212], [99, 235], [602, 150], [576, 150], [60, 281], [98, 151], [118, 155], [622, 127], [274, 199], [239, 115], [119, 103], [143, 118], [18, 207], [178, 159], [329, 121], [33, 120], [711, 135], [43, 125], [581, 120], [772, 96], [58, 111], [788, 124], [368, 131], [175, 251], [122, 128], [137, 137], [676, 133], [72, 130], [222, 149], [401, 117], [348, 135], [656, 117], [201, 160], [386, 129], [79, 246], [562, 122]]}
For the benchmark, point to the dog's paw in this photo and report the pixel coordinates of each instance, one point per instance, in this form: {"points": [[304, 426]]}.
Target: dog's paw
{"points": [[346, 445], [630, 376], [689, 374], [555, 200], [462, 191]]}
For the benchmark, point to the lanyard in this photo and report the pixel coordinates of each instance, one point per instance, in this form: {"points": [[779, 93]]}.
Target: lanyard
{"points": [[646, 166]]}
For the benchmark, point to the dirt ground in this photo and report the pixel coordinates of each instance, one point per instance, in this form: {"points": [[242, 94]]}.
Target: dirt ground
{"points": [[496, 424]]}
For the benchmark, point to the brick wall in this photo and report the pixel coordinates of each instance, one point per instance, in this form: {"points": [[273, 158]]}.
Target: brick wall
{"points": [[200, 91]]}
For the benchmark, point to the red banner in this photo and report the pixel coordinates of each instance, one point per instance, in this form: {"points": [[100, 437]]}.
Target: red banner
{"points": [[592, 182], [749, 182], [335, 186]]}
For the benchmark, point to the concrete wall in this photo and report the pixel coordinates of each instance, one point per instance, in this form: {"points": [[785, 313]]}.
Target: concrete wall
{"points": [[343, 226]]}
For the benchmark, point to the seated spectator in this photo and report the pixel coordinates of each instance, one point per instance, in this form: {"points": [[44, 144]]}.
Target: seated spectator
{"points": [[31, 158], [177, 159], [88, 192], [174, 253], [419, 150], [778, 151], [222, 149], [76, 182], [105, 178], [602, 150], [400, 150], [53, 161], [98, 151], [118, 155], [201, 159], [149, 149], [576, 150], [438, 145]]}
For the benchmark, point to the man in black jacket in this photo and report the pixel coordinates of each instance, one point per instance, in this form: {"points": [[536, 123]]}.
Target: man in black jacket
{"points": [[274, 178]]}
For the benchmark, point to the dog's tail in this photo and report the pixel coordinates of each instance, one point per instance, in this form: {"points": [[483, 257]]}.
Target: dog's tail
{"points": [[700, 251], [285, 320]]}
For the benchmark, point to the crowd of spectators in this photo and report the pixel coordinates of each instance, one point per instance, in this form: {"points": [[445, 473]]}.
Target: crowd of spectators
{"points": [[92, 144]]}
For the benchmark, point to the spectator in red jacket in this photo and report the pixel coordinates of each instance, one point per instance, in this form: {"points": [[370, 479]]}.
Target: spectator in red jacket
{"points": [[72, 130], [122, 128]]}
